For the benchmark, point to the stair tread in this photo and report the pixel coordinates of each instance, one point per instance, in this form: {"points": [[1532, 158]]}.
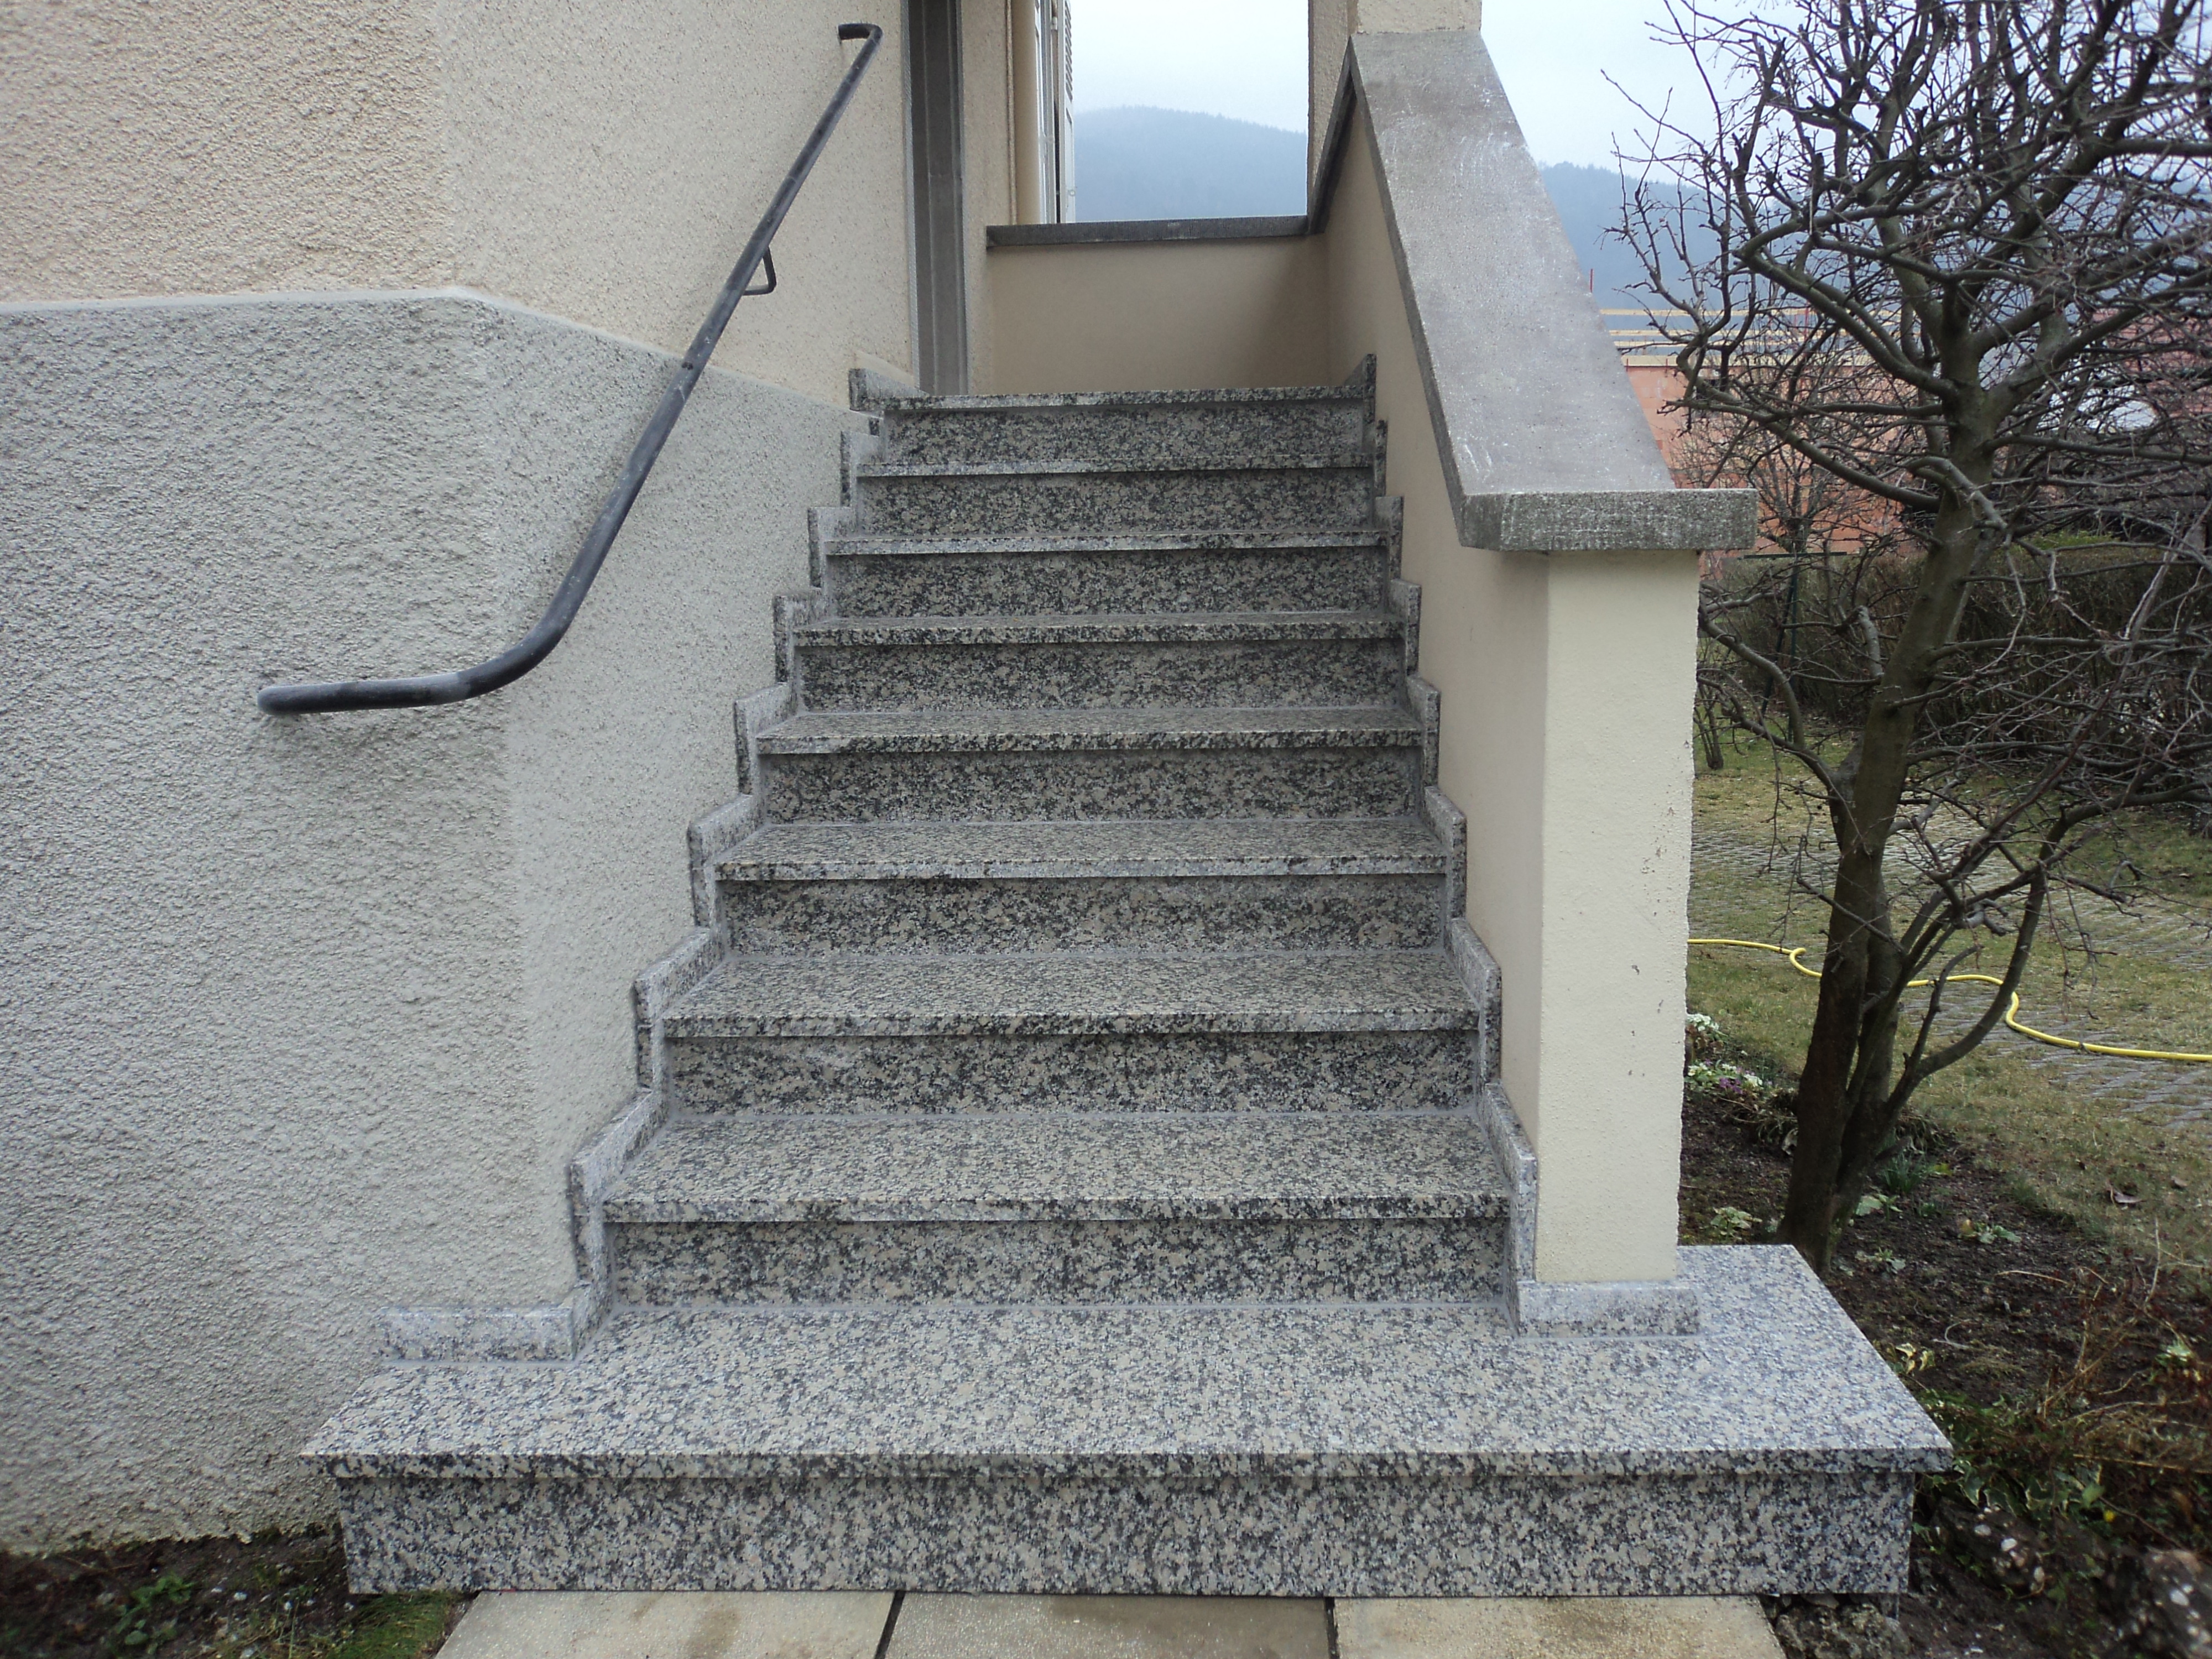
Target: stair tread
{"points": [[971, 402], [1103, 628], [1073, 1165], [1078, 847], [1012, 730], [1066, 466], [1076, 992], [1442, 1391], [1155, 541]]}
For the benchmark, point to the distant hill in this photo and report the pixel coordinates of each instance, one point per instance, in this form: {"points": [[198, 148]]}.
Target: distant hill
{"points": [[1135, 162], [1139, 163]]}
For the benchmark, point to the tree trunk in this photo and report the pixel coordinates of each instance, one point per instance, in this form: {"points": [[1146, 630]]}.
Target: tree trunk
{"points": [[1850, 1055]]}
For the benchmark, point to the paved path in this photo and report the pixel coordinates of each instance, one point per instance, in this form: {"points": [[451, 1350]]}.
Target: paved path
{"points": [[861, 1626], [1739, 882]]}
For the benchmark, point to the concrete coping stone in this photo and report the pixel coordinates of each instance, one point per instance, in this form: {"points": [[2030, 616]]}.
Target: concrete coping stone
{"points": [[1143, 230]]}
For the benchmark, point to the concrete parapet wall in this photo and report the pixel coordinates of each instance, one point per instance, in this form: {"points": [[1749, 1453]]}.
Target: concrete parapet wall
{"points": [[305, 1017], [1159, 315]]}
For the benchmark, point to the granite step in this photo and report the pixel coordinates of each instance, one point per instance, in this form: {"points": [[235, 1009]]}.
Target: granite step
{"points": [[1132, 428], [1347, 1449], [1359, 1030], [1062, 1208], [997, 498], [1077, 575], [1155, 884], [1313, 658], [864, 765]]}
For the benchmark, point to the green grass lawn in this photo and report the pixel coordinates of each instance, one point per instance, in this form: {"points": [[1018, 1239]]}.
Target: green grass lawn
{"points": [[2069, 1152]]}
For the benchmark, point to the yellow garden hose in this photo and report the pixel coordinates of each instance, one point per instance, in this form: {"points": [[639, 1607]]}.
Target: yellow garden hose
{"points": [[1796, 955]]}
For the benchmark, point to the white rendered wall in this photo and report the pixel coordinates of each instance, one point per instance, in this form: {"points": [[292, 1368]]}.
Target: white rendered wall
{"points": [[304, 1017]]}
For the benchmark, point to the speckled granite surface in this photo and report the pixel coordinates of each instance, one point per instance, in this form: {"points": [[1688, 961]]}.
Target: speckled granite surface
{"points": [[936, 916], [1069, 1154], [1060, 993], [1401, 1449], [1003, 730], [1071, 672], [979, 502], [1354, 1071], [1066, 1165], [1311, 778], [1106, 630], [1129, 435], [900, 578], [1212, 846], [1779, 1381], [961, 1264]]}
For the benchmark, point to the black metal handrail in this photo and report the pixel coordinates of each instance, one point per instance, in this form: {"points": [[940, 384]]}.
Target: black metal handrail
{"points": [[534, 648]]}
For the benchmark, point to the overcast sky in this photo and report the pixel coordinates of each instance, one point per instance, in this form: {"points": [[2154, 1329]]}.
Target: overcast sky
{"points": [[1247, 58]]}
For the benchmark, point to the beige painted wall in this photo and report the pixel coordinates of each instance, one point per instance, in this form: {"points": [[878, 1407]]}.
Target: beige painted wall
{"points": [[1157, 316], [601, 164], [1566, 684]]}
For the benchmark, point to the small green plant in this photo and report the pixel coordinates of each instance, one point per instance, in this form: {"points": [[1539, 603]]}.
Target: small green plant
{"points": [[140, 1627], [1905, 1174], [1731, 1225], [1986, 1233], [398, 1626], [1888, 1260]]}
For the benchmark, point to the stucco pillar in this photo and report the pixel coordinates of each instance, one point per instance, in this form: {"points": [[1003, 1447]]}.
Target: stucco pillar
{"points": [[1592, 1049]]}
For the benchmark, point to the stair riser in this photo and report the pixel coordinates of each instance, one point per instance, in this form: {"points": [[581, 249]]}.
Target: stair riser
{"points": [[1091, 584], [1161, 783], [1134, 1072], [1062, 1532], [1059, 1262], [1103, 503], [1134, 436], [935, 917], [1231, 674]]}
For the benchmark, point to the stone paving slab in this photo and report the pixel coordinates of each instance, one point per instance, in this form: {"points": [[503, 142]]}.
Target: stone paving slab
{"points": [[1108, 1628], [834, 1625], [1594, 1627]]}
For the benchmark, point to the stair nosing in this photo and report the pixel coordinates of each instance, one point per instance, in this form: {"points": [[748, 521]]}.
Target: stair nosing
{"points": [[1325, 540], [1435, 1166], [757, 858], [1199, 729], [1220, 397], [1036, 1004], [1343, 461], [1102, 628]]}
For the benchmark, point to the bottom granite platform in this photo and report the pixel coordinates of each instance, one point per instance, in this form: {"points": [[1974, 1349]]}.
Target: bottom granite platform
{"points": [[1627, 1535], [1349, 1449]]}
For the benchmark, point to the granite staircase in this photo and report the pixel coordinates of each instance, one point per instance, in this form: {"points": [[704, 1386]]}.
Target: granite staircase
{"points": [[1073, 1161]]}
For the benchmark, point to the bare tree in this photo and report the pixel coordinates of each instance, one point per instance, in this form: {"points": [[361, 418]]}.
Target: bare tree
{"points": [[1937, 276]]}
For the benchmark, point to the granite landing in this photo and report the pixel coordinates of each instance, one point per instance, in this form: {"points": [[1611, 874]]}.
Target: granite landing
{"points": [[1374, 1450]]}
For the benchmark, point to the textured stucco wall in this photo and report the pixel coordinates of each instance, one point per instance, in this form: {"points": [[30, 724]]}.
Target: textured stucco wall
{"points": [[304, 1017], [1566, 689], [1158, 316], [599, 163]]}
